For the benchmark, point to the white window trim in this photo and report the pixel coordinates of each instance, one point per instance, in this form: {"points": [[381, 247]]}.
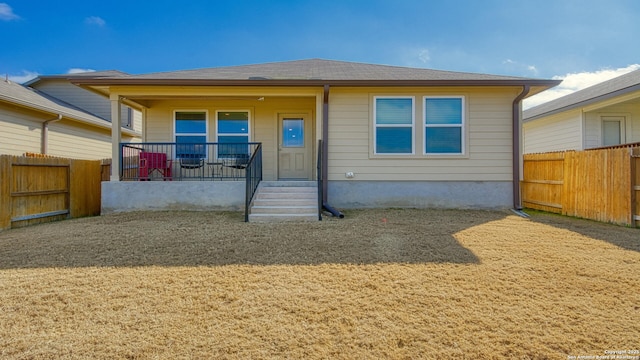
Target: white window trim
{"points": [[234, 134], [462, 125], [206, 117], [412, 126]]}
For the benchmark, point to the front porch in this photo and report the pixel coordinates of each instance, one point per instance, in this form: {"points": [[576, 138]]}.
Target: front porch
{"points": [[156, 161], [205, 177]]}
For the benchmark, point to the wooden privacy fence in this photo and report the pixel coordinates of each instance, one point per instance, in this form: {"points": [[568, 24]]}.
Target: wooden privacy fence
{"points": [[36, 189], [600, 184]]}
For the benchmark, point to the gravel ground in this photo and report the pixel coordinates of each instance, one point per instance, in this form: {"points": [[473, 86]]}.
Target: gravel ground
{"points": [[377, 284]]}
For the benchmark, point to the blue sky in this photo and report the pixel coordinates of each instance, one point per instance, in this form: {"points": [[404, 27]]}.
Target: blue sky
{"points": [[540, 39]]}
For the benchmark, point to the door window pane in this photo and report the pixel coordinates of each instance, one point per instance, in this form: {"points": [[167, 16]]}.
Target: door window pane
{"points": [[293, 133], [611, 133]]}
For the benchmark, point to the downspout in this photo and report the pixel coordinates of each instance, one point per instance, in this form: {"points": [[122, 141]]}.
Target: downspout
{"points": [[325, 154], [517, 102], [44, 137]]}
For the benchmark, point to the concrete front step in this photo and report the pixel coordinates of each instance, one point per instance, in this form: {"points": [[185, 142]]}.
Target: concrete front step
{"points": [[289, 189], [285, 202], [285, 209], [282, 217], [279, 201], [292, 196]]}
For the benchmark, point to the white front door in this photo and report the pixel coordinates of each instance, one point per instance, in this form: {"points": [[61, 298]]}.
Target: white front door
{"points": [[294, 147]]}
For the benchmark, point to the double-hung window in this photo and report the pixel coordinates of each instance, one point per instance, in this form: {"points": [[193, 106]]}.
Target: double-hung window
{"points": [[190, 134], [393, 125], [233, 133], [444, 125]]}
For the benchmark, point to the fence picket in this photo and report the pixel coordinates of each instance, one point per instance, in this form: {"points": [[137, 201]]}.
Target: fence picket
{"points": [[599, 184], [37, 188]]}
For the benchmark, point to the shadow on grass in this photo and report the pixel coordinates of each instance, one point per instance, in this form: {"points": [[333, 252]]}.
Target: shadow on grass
{"points": [[214, 239], [623, 237]]}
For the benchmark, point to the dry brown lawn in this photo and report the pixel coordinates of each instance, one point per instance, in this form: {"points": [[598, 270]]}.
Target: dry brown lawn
{"points": [[395, 284]]}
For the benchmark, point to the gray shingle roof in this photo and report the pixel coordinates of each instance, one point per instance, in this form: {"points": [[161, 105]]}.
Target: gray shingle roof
{"points": [[319, 69], [615, 87], [33, 99]]}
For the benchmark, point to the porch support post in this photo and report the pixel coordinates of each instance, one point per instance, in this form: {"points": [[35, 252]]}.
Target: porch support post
{"points": [[116, 136]]}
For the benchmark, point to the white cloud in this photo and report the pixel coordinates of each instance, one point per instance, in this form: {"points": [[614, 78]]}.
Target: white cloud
{"points": [[573, 82], [424, 56], [78, 71], [95, 20], [26, 76], [517, 67], [6, 13]]}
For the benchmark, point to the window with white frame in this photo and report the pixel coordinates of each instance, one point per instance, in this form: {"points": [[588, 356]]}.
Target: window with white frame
{"points": [[190, 134], [393, 125], [444, 125], [233, 133]]}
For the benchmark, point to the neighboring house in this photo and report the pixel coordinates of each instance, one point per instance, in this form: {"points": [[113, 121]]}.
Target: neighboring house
{"points": [[602, 115], [393, 136], [32, 121], [60, 87]]}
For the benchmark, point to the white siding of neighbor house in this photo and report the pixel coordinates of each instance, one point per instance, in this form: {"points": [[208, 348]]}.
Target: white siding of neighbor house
{"points": [[555, 133], [488, 127], [593, 123]]}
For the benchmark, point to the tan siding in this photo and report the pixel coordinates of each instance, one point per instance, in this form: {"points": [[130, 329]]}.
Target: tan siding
{"points": [[68, 139], [489, 136], [561, 132], [19, 131], [264, 114]]}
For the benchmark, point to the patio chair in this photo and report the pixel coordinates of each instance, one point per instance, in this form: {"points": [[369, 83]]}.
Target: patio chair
{"points": [[152, 161], [191, 163], [236, 162]]}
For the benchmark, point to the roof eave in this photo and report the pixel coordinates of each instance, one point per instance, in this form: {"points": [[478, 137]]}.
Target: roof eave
{"points": [[584, 103], [312, 82]]}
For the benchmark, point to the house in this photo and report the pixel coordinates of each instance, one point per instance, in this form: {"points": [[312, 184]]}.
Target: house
{"points": [[391, 136], [60, 87], [35, 121], [602, 115]]}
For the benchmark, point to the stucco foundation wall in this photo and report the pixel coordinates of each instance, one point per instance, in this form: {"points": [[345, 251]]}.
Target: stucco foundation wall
{"points": [[126, 196], [421, 194]]}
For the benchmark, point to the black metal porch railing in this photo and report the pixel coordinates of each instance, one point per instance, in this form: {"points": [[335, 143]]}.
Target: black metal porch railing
{"points": [[319, 172], [190, 161], [253, 175]]}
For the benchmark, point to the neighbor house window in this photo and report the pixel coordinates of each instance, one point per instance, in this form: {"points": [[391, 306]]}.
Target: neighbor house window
{"points": [[233, 133], [394, 122], [191, 133], [444, 125]]}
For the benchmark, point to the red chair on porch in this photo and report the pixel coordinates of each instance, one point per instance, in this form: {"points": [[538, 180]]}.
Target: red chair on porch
{"points": [[151, 161]]}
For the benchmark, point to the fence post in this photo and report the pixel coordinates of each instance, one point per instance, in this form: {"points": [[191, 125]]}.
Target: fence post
{"points": [[5, 192]]}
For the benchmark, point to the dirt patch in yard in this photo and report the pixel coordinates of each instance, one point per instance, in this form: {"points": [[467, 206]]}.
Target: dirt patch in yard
{"points": [[377, 284]]}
